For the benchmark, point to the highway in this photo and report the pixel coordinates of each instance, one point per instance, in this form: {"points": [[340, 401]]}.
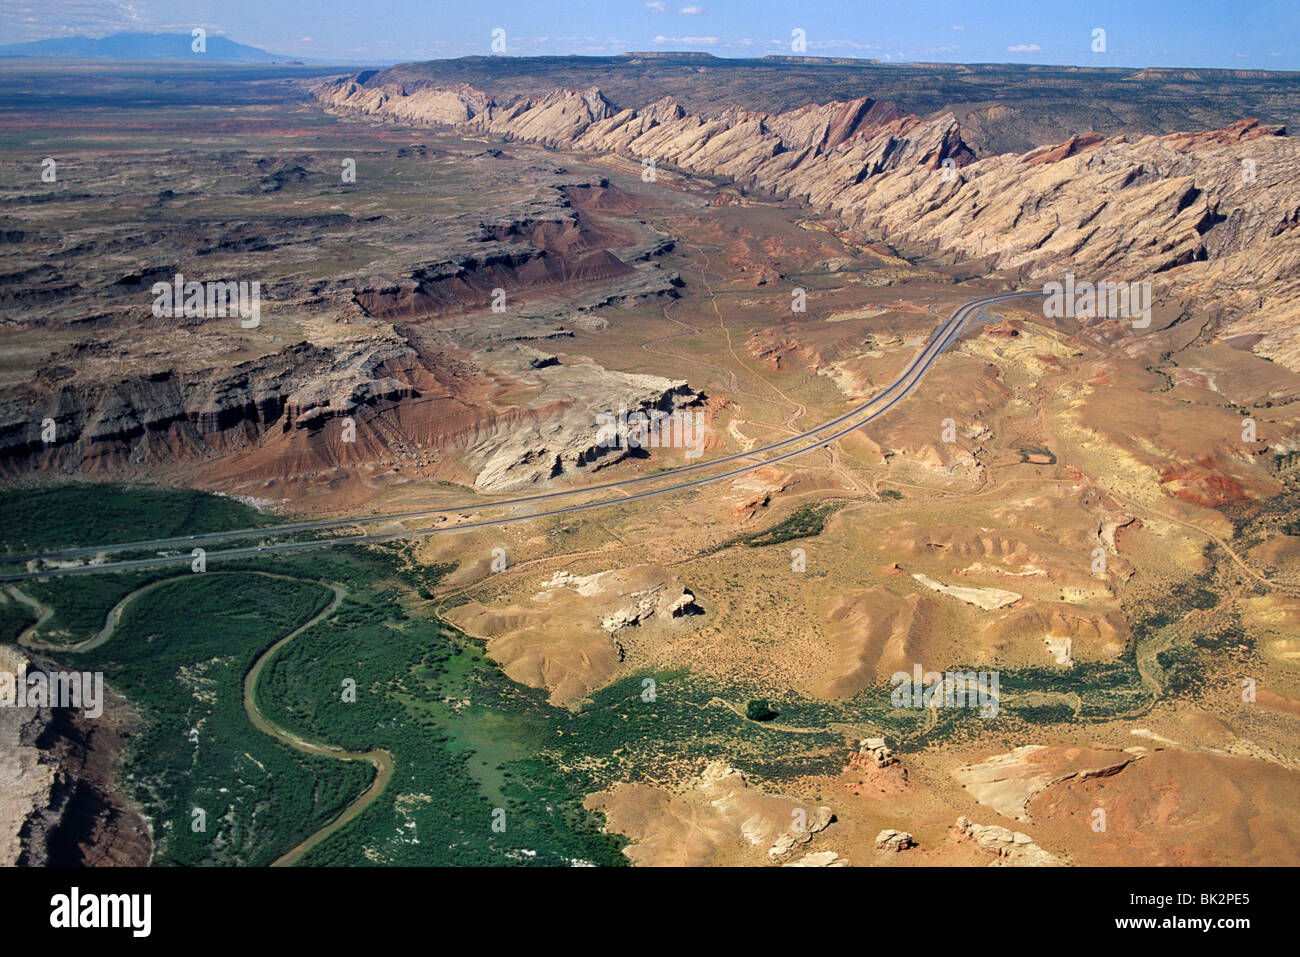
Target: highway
{"points": [[965, 317]]}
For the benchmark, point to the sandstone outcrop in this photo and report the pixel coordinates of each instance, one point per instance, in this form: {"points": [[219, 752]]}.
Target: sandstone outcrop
{"points": [[820, 859], [1008, 782], [59, 804], [1010, 848], [892, 840], [873, 770], [1208, 217], [986, 598]]}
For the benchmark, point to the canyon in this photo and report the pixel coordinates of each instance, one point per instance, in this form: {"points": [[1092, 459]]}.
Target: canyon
{"points": [[1104, 513]]}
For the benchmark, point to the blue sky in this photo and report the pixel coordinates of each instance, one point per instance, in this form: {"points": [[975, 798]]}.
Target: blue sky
{"points": [[1256, 34]]}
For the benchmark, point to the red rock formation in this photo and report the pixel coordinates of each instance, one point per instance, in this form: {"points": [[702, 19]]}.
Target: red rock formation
{"points": [[1003, 330], [1071, 147], [1241, 131], [880, 773]]}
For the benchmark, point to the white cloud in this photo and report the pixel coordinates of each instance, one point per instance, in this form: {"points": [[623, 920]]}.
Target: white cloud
{"points": [[959, 26], [94, 18], [706, 41], [693, 12], [1025, 48], [840, 45], [657, 6]]}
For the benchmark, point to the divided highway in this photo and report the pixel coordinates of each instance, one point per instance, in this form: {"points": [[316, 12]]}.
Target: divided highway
{"points": [[965, 317]]}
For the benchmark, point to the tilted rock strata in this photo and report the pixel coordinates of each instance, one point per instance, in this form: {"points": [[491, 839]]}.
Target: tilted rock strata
{"points": [[1009, 848], [1007, 782], [892, 840], [1209, 217]]}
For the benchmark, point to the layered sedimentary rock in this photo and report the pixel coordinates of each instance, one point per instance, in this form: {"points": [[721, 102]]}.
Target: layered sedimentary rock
{"points": [[876, 633], [299, 387], [1007, 782], [813, 152], [356, 371], [1208, 217], [58, 795], [560, 434], [1009, 848]]}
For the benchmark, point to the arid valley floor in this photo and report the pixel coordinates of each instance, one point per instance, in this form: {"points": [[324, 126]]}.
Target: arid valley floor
{"points": [[1103, 516]]}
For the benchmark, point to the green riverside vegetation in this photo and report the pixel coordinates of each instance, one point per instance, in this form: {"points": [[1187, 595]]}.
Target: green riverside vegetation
{"points": [[469, 746]]}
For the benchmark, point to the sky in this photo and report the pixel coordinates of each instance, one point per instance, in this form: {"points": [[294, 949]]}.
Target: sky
{"points": [[1247, 34]]}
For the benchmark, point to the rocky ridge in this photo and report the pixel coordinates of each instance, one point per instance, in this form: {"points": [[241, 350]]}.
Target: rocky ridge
{"points": [[1209, 218], [59, 800]]}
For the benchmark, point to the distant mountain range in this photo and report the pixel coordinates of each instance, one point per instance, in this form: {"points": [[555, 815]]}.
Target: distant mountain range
{"points": [[144, 46]]}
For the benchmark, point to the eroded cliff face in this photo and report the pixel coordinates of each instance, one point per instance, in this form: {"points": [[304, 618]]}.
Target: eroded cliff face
{"points": [[805, 153], [360, 367], [1208, 218], [61, 803], [100, 426], [307, 409]]}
